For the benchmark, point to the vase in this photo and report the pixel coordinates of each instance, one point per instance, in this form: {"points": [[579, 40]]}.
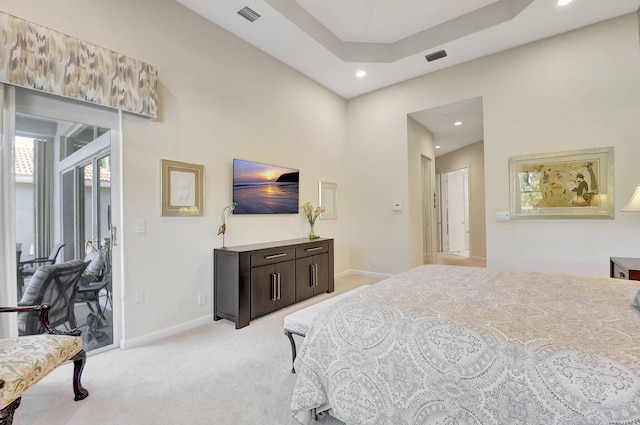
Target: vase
{"points": [[312, 233]]}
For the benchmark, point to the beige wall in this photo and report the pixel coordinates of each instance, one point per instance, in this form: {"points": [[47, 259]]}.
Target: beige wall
{"points": [[573, 91], [471, 157], [220, 99]]}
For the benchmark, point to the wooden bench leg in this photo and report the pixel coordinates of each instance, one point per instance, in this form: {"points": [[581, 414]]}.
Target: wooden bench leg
{"points": [[79, 361], [6, 414]]}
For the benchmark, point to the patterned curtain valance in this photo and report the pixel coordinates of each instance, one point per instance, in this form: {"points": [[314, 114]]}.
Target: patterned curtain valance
{"points": [[39, 58]]}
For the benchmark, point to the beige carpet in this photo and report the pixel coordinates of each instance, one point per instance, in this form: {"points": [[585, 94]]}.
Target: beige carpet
{"points": [[213, 374]]}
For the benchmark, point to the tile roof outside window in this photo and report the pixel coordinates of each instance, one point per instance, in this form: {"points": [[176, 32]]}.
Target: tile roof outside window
{"points": [[24, 164]]}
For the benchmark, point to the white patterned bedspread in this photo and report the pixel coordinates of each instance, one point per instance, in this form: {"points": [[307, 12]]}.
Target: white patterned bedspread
{"points": [[462, 345]]}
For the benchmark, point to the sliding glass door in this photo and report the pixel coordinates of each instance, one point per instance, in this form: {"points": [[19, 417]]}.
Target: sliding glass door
{"points": [[63, 195], [86, 199]]}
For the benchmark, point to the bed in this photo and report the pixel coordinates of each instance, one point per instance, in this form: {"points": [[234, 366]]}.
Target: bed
{"points": [[464, 345]]}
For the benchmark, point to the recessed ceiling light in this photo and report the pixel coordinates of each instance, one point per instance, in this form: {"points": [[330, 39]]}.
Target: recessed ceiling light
{"points": [[361, 74], [457, 123], [564, 2], [437, 146]]}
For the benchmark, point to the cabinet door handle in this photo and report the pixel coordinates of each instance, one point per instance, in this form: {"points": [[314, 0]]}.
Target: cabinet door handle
{"points": [[313, 271], [273, 287], [317, 248], [279, 286]]}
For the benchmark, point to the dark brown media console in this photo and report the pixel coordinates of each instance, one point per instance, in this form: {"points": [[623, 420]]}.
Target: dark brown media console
{"points": [[253, 280]]}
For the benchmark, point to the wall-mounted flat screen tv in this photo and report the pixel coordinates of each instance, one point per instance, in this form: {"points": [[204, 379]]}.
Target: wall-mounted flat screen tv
{"points": [[264, 189]]}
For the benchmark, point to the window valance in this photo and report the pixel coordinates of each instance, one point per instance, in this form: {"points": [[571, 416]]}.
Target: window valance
{"points": [[39, 58]]}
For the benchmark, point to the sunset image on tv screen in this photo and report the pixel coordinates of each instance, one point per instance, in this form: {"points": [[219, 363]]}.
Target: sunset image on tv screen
{"points": [[264, 189]]}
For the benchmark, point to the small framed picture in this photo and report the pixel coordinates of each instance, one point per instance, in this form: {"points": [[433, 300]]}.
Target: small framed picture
{"points": [[182, 189]]}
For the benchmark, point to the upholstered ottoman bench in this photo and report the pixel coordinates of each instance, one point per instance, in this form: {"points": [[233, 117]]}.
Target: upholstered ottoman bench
{"points": [[299, 322], [25, 360]]}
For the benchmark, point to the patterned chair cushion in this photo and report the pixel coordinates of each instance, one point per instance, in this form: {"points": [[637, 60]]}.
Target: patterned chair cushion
{"points": [[95, 267], [30, 296], [27, 359]]}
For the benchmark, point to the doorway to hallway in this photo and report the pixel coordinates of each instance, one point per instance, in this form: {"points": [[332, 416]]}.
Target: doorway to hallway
{"points": [[453, 229]]}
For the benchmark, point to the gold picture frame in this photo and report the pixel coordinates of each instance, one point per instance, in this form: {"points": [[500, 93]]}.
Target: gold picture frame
{"points": [[572, 184], [182, 189]]}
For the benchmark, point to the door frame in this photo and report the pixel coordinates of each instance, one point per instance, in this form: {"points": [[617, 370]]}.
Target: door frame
{"points": [[428, 209], [31, 102]]}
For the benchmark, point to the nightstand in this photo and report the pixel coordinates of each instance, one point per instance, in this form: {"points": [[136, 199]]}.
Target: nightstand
{"points": [[624, 268]]}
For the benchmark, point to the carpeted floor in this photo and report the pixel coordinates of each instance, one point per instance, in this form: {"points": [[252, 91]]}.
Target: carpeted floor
{"points": [[213, 374]]}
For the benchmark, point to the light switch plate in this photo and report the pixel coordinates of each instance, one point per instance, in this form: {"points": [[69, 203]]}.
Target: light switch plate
{"points": [[141, 226], [503, 216]]}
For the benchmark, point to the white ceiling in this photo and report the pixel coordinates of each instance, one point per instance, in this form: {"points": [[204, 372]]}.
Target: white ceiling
{"points": [[329, 40]]}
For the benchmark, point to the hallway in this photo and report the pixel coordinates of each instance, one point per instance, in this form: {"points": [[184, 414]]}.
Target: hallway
{"points": [[459, 260]]}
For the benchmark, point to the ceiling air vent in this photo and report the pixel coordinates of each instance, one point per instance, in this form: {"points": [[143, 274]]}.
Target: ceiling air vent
{"points": [[437, 55], [248, 13]]}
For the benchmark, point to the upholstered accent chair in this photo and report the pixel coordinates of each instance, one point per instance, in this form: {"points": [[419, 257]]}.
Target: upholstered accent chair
{"points": [[57, 286], [25, 360]]}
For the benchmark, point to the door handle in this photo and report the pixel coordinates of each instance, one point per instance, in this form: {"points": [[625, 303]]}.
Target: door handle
{"points": [[315, 275]]}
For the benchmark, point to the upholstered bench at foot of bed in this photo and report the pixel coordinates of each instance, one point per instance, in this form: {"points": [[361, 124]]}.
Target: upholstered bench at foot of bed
{"points": [[298, 323]]}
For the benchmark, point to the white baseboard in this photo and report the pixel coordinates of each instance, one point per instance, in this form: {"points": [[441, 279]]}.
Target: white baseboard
{"points": [[173, 330], [364, 273]]}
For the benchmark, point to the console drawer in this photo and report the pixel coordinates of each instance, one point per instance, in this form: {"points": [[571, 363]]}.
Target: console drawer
{"points": [[314, 249], [272, 257]]}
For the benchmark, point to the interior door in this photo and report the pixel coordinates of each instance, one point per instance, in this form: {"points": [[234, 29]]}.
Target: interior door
{"points": [[456, 204]]}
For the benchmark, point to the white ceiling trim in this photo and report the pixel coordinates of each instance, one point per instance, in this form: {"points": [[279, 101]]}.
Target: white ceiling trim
{"points": [[461, 26]]}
